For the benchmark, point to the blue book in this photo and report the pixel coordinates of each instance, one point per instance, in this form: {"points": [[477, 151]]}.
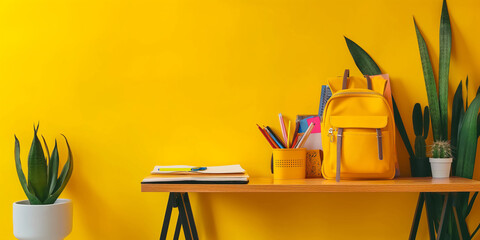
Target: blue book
{"points": [[324, 96]]}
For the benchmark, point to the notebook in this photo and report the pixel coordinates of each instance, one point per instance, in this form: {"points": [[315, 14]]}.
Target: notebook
{"points": [[197, 178], [324, 96], [233, 174]]}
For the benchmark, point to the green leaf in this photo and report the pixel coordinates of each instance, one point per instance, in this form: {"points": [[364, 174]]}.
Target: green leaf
{"points": [[467, 141], [466, 90], [444, 66], [363, 61], [457, 115], [46, 148], [37, 168], [470, 205], [457, 111], [426, 121], [53, 169], [417, 119], [23, 181], [368, 67], [478, 125], [430, 86], [64, 176], [402, 131]]}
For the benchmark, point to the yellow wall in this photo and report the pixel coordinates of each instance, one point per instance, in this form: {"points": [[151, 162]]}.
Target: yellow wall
{"points": [[138, 83]]}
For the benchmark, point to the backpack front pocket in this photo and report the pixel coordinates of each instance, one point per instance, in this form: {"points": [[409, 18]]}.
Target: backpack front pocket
{"points": [[360, 151], [364, 145]]}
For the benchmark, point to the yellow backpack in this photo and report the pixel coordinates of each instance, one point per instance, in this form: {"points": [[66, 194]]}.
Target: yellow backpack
{"points": [[358, 130]]}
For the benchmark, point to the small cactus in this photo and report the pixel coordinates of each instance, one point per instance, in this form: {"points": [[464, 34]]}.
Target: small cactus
{"points": [[441, 149], [421, 126]]}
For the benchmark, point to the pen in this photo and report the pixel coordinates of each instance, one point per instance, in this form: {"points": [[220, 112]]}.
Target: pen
{"points": [[194, 169]]}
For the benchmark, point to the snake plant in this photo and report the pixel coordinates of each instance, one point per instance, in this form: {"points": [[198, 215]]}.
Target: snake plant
{"points": [[44, 185], [465, 123]]}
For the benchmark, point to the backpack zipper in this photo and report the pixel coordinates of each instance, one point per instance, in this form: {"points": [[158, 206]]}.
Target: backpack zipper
{"points": [[342, 93], [331, 135]]}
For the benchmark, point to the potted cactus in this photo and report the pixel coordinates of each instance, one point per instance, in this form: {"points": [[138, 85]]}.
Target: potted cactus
{"points": [[441, 159], [43, 216]]}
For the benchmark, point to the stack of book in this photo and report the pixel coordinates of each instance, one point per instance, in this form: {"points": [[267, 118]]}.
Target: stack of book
{"points": [[193, 174]]}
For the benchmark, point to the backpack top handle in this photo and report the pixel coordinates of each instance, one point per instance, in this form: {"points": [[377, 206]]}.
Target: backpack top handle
{"points": [[346, 74]]}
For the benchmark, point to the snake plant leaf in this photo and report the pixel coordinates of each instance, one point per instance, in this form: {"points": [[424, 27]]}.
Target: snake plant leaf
{"points": [[430, 85], [417, 119], [46, 148], [37, 168], [444, 66], [64, 176], [21, 176], [457, 116], [467, 141], [367, 66], [403, 133], [53, 169], [363, 61], [478, 125], [426, 122], [466, 89], [457, 111], [470, 204]]}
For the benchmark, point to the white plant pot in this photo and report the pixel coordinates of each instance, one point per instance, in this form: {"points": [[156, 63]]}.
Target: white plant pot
{"points": [[441, 167], [42, 222]]}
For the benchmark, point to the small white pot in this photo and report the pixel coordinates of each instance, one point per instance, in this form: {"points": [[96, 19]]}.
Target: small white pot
{"points": [[42, 222], [441, 167]]}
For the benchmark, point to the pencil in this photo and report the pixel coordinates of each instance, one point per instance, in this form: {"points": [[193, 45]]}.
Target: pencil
{"points": [[274, 137], [270, 138], [282, 126], [295, 134], [305, 136], [265, 135], [288, 134]]}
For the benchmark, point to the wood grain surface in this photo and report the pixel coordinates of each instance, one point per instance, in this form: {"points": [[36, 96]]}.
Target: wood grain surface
{"points": [[453, 184]]}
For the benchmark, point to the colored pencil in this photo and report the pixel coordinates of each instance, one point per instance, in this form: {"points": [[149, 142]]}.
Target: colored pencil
{"points": [[289, 135], [295, 134], [274, 137], [265, 135], [270, 138], [305, 136], [284, 131]]}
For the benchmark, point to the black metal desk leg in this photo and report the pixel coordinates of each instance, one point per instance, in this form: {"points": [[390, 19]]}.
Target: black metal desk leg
{"points": [[168, 213], [182, 211], [177, 228], [190, 216], [416, 217], [185, 217]]}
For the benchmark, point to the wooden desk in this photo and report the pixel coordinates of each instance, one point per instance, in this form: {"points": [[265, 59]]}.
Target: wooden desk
{"points": [[179, 194]]}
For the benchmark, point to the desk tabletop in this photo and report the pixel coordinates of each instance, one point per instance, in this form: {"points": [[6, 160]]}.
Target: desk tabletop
{"points": [[453, 184]]}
